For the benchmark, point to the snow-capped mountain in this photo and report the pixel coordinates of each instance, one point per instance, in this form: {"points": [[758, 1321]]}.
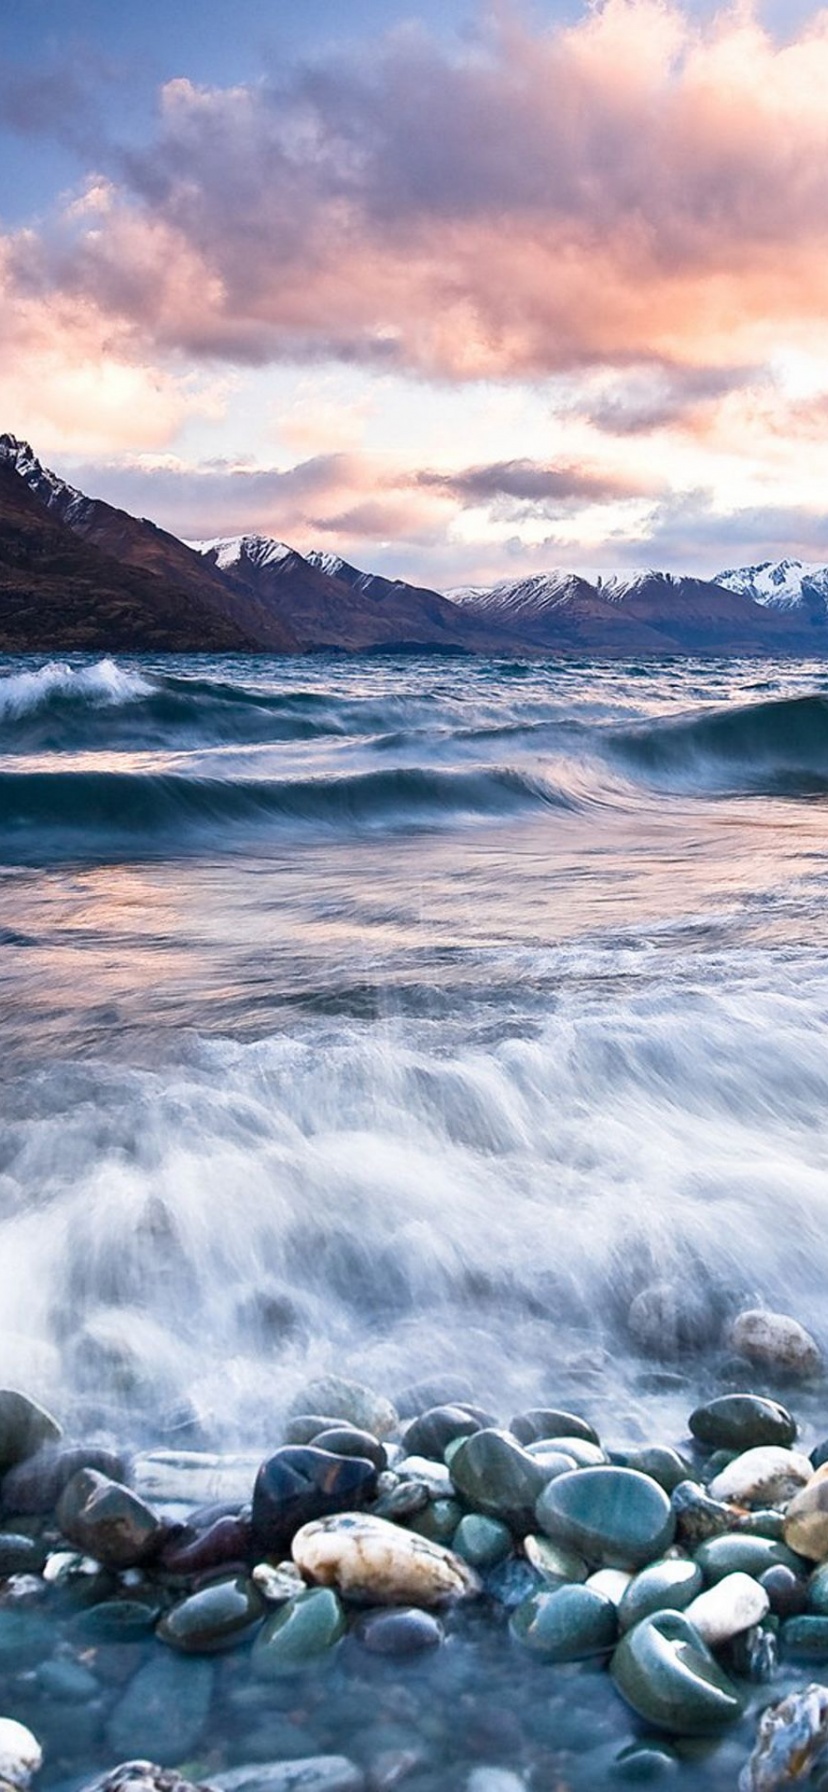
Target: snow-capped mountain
{"points": [[228, 552], [54, 493], [781, 584]]}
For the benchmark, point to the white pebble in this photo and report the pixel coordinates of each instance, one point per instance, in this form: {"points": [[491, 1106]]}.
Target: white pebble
{"points": [[736, 1603], [612, 1582], [20, 1753], [764, 1476]]}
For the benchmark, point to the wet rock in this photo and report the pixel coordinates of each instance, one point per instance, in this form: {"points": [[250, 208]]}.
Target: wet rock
{"points": [[697, 1516], [298, 1484], [21, 1755], [787, 1593], [737, 1554], [644, 1763], [303, 1427], [542, 1423], [313, 1773], [229, 1540], [400, 1500], [510, 1582], [165, 1707], [804, 1639], [482, 1541], [667, 1674], [433, 1431], [35, 1486], [115, 1621], [108, 1521], [735, 1603], [663, 1465], [614, 1517], [368, 1559], [554, 1562], [553, 1453], [141, 1776], [24, 1428], [666, 1321], [433, 1476], [20, 1555], [346, 1440], [194, 1477], [792, 1736], [742, 1422], [611, 1583], [351, 1401], [406, 1631], [443, 1390], [667, 1586], [494, 1779], [565, 1624], [498, 1477], [775, 1341], [438, 1519], [25, 1639], [765, 1476], [277, 1585], [298, 1633], [216, 1618], [806, 1520]]}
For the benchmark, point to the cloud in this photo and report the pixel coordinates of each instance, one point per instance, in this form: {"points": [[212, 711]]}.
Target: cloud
{"points": [[634, 187], [513, 487]]}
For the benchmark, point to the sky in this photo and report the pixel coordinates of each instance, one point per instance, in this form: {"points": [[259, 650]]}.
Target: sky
{"points": [[461, 290]]}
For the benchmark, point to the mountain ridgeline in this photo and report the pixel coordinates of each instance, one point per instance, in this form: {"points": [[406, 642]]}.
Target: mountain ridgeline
{"points": [[77, 573]]}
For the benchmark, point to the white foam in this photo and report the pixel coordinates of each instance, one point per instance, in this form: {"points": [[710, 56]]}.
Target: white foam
{"points": [[103, 685]]}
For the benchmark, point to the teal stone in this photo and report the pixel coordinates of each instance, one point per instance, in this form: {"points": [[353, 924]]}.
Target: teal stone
{"points": [[20, 1554], [663, 1465], [298, 1634], [68, 1682], [667, 1674], [115, 1621], [663, 1587], [545, 1422], [218, 1617], [739, 1554], [613, 1516], [553, 1561], [720, 1460], [25, 1428], [818, 1592], [581, 1451], [804, 1639], [437, 1521], [742, 1422], [767, 1524], [164, 1711], [482, 1541], [497, 1477], [25, 1639], [644, 1764], [565, 1624]]}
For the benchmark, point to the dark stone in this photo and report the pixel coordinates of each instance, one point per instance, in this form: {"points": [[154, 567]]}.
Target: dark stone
{"points": [[738, 1554], [542, 1422], [346, 1440], [115, 1621], [35, 1486], [567, 1624], [216, 1618], [668, 1675], [742, 1422], [404, 1631], [303, 1427], [432, 1433], [24, 1428], [25, 1639], [298, 1633], [20, 1555], [804, 1639], [495, 1475], [698, 1517], [788, 1594], [299, 1484], [227, 1542], [107, 1521]]}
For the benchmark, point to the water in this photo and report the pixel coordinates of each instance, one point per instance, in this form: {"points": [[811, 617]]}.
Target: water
{"points": [[404, 1018]]}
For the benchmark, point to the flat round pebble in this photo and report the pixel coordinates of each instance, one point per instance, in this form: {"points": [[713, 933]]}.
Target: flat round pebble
{"points": [[566, 1624], [615, 1517], [403, 1632]]}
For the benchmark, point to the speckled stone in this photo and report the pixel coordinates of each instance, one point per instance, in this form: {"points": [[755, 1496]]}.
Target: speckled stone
{"points": [[21, 1755], [368, 1559], [775, 1341], [792, 1736], [767, 1476], [614, 1517]]}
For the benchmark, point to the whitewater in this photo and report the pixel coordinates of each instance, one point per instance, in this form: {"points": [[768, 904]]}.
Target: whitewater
{"points": [[411, 1015]]}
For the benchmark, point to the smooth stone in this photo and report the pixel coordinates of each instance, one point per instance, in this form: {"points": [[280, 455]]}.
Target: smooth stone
{"points": [[611, 1583], [351, 1401], [217, 1617], [433, 1476], [423, 1396], [667, 1586], [140, 1776], [35, 1486], [20, 1555], [494, 1779], [697, 1516], [580, 1451], [768, 1475], [367, 1558], [498, 1477], [300, 1483], [305, 1427], [24, 1428], [68, 1682], [804, 1639], [346, 1440], [737, 1554], [614, 1517], [742, 1422], [787, 1593], [306, 1627], [437, 1521], [644, 1764], [817, 1591], [277, 1585], [115, 1621], [775, 1341], [735, 1603], [754, 1654], [21, 1755], [792, 1735], [310, 1773], [806, 1520], [819, 1454], [400, 1500], [108, 1521], [25, 1639], [482, 1541], [667, 1674], [663, 1465], [554, 1561], [763, 1523], [541, 1424], [406, 1631], [552, 1462], [431, 1433], [164, 1708], [194, 1477], [510, 1582], [666, 1320], [565, 1624], [228, 1541]]}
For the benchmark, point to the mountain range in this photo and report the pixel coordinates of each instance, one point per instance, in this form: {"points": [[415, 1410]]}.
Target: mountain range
{"points": [[78, 573]]}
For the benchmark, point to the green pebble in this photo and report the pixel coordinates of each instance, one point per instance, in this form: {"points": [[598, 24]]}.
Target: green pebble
{"points": [[664, 1586], [612, 1516], [115, 1621], [668, 1675], [818, 1592], [218, 1617], [297, 1634], [438, 1520], [565, 1624], [804, 1639], [737, 1554], [643, 1764], [663, 1465], [482, 1541]]}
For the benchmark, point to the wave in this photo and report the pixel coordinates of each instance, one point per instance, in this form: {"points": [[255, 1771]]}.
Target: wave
{"points": [[88, 806], [776, 748]]}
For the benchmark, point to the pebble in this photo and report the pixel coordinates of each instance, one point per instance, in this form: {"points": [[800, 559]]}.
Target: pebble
{"points": [[349, 1400], [217, 1617], [615, 1517], [24, 1428], [565, 1624], [612, 1583], [553, 1561], [35, 1486], [806, 1520], [277, 1585], [767, 1475], [227, 1541], [297, 1633], [108, 1521], [193, 1477], [367, 1558], [299, 1483], [804, 1639], [788, 1595], [669, 1585], [542, 1424], [667, 1674], [663, 1465], [498, 1477], [21, 1755], [313, 1773], [775, 1341], [346, 1440], [433, 1431], [735, 1603], [744, 1555], [141, 1776], [697, 1516], [164, 1708], [792, 1735], [433, 1476], [742, 1422], [405, 1631], [482, 1541]]}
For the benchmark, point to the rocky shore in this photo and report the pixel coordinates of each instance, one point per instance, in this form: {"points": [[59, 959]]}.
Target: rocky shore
{"points": [[425, 1594]]}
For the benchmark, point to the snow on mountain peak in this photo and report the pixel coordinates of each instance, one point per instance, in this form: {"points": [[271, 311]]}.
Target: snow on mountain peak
{"points": [[229, 550], [780, 584]]}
